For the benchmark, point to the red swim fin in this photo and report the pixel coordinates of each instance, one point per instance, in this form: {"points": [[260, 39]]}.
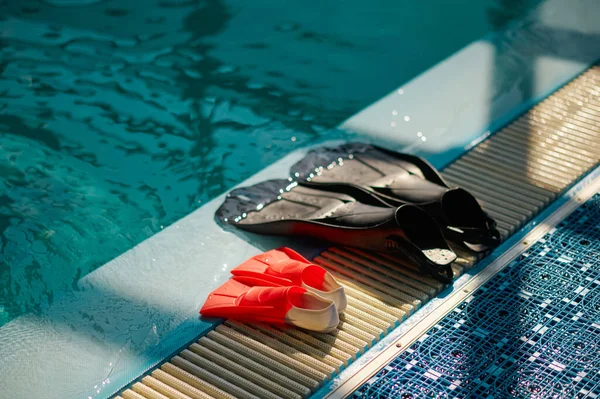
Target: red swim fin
{"points": [[292, 305], [285, 267]]}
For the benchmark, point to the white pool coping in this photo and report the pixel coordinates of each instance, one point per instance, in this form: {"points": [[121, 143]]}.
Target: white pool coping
{"points": [[159, 285]]}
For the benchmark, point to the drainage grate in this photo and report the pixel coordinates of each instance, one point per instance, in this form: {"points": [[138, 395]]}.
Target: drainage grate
{"points": [[518, 171], [515, 174]]}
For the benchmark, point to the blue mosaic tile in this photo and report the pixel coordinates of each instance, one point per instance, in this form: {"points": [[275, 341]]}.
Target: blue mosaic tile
{"points": [[532, 331]]}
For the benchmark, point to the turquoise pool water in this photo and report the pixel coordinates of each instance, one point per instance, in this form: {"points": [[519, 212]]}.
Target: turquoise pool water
{"points": [[119, 117]]}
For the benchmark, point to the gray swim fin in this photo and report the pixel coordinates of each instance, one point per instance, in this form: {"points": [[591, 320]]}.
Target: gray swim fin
{"points": [[281, 207], [380, 177]]}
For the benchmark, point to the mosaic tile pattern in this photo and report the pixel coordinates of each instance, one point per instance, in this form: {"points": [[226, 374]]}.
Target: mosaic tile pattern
{"points": [[532, 331]]}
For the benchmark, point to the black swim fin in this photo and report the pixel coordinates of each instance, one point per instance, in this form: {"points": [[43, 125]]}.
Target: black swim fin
{"points": [[380, 177], [282, 207]]}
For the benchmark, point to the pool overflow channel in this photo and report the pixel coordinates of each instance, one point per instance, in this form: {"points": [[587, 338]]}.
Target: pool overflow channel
{"points": [[514, 173]]}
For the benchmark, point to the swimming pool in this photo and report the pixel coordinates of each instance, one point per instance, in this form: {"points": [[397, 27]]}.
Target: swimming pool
{"points": [[118, 118], [90, 336]]}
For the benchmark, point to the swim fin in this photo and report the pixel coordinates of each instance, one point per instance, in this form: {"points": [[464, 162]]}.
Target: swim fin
{"points": [[285, 267], [380, 177], [281, 207], [279, 305]]}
